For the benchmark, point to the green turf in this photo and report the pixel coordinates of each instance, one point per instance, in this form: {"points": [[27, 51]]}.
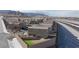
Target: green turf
{"points": [[29, 42]]}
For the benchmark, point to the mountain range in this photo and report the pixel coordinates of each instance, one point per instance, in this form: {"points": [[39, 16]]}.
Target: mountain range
{"points": [[24, 14]]}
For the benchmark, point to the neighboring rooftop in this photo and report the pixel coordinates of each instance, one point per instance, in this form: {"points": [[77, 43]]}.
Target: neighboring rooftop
{"points": [[41, 26]]}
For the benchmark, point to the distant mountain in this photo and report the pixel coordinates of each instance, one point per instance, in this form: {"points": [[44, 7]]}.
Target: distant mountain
{"points": [[34, 14], [12, 12], [7, 12], [20, 13]]}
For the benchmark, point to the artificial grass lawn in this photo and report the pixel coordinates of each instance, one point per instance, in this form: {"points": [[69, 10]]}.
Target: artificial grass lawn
{"points": [[29, 42]]}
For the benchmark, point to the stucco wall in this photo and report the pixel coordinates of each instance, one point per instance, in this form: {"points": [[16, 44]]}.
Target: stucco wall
{"points": [[4, 40]]}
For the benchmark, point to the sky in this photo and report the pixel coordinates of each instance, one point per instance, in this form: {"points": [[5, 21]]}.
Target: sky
{"points": [[66, 13]]}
